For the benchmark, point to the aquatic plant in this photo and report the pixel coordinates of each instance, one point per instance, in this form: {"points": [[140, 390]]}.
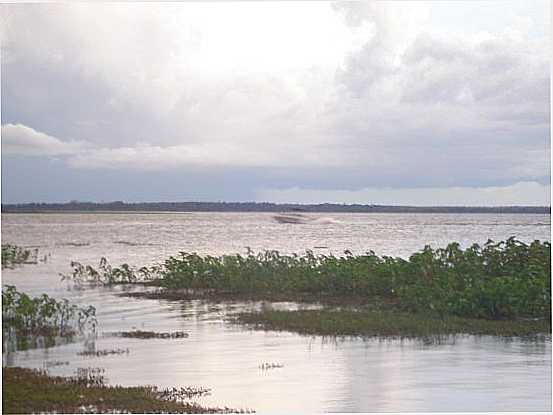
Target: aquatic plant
{"points": [[104, 352], [105, 274], [497, 280], [267, 366], [141, 334], [13, 255], [43, 315], [375, 323]]}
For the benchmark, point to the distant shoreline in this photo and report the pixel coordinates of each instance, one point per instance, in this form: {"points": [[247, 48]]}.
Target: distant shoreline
{"points": [[245, 207]]}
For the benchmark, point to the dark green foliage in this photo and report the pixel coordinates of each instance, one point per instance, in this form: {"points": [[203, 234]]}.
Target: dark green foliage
{"points": [[13, 255], [43, 315], [498, 280]]}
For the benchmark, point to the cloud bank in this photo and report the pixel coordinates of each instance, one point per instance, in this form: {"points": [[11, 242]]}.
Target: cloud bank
{"points": [[351, 96]]}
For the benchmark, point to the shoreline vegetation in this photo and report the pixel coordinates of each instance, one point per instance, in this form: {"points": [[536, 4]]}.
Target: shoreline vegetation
{"points": [[145, 207], [32, 391], [507, 284]]}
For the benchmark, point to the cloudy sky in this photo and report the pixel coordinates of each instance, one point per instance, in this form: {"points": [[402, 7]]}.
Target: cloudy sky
{"points": [[423, 103]]}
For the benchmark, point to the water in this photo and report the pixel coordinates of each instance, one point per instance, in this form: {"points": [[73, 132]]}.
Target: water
{"points": [[318, 374]]}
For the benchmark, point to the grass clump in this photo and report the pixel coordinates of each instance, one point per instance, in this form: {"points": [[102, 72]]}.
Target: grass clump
{"points": [[370, 323], [43, 315], [32, 391], [13, 255]]}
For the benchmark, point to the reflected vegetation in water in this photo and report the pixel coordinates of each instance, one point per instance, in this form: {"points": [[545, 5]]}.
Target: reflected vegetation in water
{"points": [[461, 373]]}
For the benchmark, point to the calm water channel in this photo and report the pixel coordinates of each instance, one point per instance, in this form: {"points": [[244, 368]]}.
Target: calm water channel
{"points": [[464, 373]]}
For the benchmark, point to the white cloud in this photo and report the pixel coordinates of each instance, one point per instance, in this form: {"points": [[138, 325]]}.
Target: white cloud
{"points": [[523, 193], [23, 140]]}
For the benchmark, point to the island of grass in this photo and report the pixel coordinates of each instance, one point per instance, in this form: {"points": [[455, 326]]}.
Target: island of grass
{"points": [[499, 288], [394, 324], [32, 391]]}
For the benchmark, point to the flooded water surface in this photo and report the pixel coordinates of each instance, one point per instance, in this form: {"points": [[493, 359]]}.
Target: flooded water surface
{"points": [[308, 373]]}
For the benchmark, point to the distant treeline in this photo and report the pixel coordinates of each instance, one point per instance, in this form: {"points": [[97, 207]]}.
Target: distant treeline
{"points": [[258, 207]]}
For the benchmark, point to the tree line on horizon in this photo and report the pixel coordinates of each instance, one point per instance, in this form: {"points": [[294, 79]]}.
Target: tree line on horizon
{"points": [[76, 206]]}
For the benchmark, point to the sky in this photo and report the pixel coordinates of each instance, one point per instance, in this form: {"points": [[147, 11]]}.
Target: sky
{"points": [[388, 102]]}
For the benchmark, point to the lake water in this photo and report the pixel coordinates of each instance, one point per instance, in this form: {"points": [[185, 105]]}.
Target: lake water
{"points": [[464, 373]]}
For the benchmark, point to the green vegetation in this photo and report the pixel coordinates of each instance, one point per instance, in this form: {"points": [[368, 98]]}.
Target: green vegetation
{"points": [[43, 315], [105, 274], [508, 279], [13, 255], [31, 391], [387, 324]]}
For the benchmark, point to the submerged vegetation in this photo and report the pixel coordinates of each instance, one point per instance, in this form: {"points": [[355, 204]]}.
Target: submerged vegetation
{"points": [[32, 391], [13, 255], [43, 315]]}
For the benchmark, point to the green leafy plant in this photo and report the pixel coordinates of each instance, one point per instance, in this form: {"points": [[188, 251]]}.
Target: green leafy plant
{"points": [[44, 315], [105, 274], [497, 280]]}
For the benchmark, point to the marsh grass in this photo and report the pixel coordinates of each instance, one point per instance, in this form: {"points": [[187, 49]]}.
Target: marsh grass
{"points": [[372, 323], [32, 391]]}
